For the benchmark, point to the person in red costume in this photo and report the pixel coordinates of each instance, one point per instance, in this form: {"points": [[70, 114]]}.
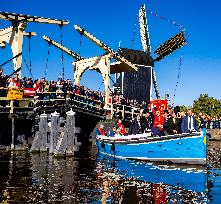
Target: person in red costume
{"points": [[121, 128], [38, 86], [158, 124]]}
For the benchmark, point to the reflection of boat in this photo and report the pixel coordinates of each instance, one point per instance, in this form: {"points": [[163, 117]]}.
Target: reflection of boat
{"points": [[191, 178], [182, 148], [154, 183]]}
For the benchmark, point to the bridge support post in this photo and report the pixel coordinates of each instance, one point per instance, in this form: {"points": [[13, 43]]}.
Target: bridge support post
{"points": [[40, 140], [99, 63], [43, 129], [13, 133], [67, 143], [70, 131], [55, 131]]}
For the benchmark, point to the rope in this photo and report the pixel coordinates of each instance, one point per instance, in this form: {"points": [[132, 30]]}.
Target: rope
{"points": [[11, 59], [79, 52], [46, 68], [178, 78], [62, 52], [168, 20], [29, 51], [134, 33], [29, 69], [100, 86]]}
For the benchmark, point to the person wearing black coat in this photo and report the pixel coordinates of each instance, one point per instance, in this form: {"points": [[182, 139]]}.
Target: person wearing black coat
{"points": [[146, 122], [172, 125], [135, 126]]}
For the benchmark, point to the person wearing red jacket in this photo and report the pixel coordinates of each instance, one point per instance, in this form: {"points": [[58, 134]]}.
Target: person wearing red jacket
{"points": [[121, 128], [158, 124], [102, 130]]}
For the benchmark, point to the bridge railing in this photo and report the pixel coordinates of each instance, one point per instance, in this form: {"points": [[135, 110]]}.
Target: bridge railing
{"points": [[125, 112], [54, 99], [60, 99]]}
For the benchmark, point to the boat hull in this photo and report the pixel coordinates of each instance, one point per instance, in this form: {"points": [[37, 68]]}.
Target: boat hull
{"points": [[185, 148]]}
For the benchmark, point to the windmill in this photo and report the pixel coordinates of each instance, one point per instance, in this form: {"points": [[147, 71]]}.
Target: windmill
{"points": [[139, 85], [14, 34]]}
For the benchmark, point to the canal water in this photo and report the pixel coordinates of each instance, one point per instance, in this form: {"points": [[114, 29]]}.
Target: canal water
{"points": [[94, 178]]}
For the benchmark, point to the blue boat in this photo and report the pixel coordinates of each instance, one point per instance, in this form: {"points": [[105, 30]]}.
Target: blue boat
{"points": [[187, 148]]}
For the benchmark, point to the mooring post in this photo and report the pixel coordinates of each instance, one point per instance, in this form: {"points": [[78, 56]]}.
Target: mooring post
{"points": [[67, 143], [55, 131], [13, 132], [70, 128], [43, 129], [40, 140]]}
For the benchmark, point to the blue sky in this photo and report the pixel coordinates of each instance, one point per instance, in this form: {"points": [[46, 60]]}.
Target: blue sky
{"points": [[113, 21]]}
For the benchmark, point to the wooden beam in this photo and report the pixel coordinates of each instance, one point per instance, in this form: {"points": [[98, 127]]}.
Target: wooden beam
{"points": [[29, 34], [115, 55], [28, 18], [61, 47]]}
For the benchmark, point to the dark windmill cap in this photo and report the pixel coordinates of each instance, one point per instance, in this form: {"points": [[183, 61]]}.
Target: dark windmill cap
{"points": [[136, 56]]}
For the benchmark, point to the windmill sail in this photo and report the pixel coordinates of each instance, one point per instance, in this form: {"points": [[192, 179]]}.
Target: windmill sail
{"points": [[145, 40], [144, 34], [170, 46]]}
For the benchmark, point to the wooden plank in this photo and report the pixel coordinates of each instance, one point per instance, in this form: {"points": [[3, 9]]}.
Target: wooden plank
{"points": [[61, 47], [28, 18]]}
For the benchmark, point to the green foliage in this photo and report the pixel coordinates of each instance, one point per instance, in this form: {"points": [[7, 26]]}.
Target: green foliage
{"points": [[207, 106], [183, 108]]}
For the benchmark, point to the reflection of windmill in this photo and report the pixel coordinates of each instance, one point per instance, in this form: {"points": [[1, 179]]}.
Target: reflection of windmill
{"points": [[138, 85]]}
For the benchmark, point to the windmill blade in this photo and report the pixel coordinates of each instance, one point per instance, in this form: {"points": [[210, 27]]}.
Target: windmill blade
{"points": [[145, 41], [170, 46], [28, 18], [154, 78], [144, 33], [61, 47], [106, 48]]}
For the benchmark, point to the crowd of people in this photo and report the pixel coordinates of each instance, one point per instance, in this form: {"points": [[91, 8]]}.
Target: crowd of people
{"points": [[47, 89], [169, 122], [210, 122]]}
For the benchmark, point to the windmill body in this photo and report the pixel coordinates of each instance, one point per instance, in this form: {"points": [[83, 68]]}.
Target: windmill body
{"points": [[138, 85]]}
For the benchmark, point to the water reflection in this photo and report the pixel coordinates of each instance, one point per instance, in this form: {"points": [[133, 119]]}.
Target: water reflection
{"points": [[88, 178]]}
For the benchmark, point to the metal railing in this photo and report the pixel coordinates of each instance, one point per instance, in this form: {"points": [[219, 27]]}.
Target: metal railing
{"points": [[54, 99], [60, 99]]}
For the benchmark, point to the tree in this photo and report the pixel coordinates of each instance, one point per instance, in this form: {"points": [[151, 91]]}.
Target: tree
{"points": [[207, 106], [183, 108]]}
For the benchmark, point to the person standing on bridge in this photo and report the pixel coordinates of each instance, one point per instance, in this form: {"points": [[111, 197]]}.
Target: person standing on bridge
{"points": [[3, 80]]}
